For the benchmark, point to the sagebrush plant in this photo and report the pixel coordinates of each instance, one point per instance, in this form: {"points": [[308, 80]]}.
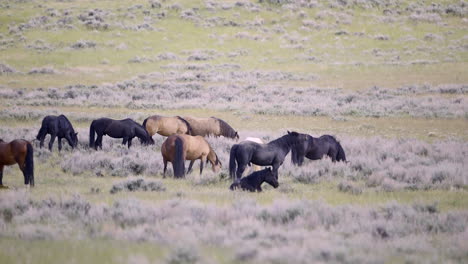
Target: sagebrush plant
{"points": [[256, 231]]}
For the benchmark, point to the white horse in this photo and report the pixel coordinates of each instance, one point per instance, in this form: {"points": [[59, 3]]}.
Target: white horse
{"points": [[259, 141]]}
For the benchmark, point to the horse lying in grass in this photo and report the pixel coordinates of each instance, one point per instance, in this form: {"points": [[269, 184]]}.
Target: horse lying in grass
{"points": [[271, 154], [126, 129], [57, 126], [166, 125], [21, 152], [178, 148], [317, 148], [211, 126], [254, 181]]}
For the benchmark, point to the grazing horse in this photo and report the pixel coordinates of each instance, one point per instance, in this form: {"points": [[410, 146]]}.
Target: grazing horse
{"points": [[254, 181], [211, 126], [57, 126], [181, 147], [126, 129], [166, 125], [17, 151], [316, 148], [271, 154]]}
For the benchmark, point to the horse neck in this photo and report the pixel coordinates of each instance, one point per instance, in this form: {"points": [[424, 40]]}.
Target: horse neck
{"points": [[212, 157], [284, 142], [140, 132]]}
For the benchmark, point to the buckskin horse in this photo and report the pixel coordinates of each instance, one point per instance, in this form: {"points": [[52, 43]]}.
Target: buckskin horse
{"points": [[178, 148]]}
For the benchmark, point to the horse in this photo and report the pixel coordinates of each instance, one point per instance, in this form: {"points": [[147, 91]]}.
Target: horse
{"points": [[271, 154], [316, 148], [126, 129], [181, 147], [57, 126], [166, 125], [17, 151], [254, 181], [211, 126]]}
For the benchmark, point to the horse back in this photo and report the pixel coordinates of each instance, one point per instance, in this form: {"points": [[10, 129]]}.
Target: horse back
{"points": [[10, 152], [195, 146], [201, 126]]}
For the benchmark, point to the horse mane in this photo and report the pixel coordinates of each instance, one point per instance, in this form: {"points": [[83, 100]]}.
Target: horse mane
{"points": [[282, 138], [189, 127], [225, 129], [144, 123], [68, 122]]}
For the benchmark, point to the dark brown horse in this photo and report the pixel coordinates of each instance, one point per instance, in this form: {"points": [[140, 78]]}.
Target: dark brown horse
{"points": [[166, 125], [211, 126], [17, 151], [179, 148]]}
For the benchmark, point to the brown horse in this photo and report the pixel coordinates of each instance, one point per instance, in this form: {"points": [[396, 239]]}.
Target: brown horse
{"points": [[17, 151], [178, 148], [166, 125], [211, 126]]}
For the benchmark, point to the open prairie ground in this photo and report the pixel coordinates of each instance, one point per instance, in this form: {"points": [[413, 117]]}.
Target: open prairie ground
{"points": [[388, 78]]}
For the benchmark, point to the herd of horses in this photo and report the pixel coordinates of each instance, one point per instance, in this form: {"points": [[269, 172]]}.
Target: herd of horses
{"points": [[185, 141]]}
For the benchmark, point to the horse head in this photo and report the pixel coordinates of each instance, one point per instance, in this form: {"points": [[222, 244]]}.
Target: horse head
{"points": [[236, 136], [74, 139], [270, 178], [300, 145], [216, 164]]}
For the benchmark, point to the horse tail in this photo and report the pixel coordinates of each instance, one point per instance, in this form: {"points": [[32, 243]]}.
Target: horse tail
{"points": [[232, 162], [151, 140], [29, 165], [179, 159], [144, 123], [340, 156], [42, 131], [91, 135], [189, 127]]}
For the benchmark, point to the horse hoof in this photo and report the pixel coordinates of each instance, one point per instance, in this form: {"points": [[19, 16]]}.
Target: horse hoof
{"points": [[4, 187]]}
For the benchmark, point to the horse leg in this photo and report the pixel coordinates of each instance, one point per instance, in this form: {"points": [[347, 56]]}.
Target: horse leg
{"points": [[332, 153], [98, 142], [51, 142], [59, 144], [202, 161], [130, 142], [41, 143], [22, 165], [165, 167], [240, 170], [275, 168], [190, 166], [1, 178]]}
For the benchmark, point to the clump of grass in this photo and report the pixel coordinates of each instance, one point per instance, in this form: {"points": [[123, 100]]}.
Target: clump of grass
{"points": [[139, 184]]}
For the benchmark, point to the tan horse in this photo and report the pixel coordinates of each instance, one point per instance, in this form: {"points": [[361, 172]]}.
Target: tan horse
{"points": [[17, 151], [211, 126], [166, 125], [179, 148]]}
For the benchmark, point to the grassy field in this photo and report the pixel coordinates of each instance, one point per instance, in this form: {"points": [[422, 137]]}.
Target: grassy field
{"points": [[388, 78]]}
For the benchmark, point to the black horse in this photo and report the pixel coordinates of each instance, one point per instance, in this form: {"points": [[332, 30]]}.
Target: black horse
{"points": [[57, 126], [254, 181], [316, 148], [271, 154], [126, 129]]}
